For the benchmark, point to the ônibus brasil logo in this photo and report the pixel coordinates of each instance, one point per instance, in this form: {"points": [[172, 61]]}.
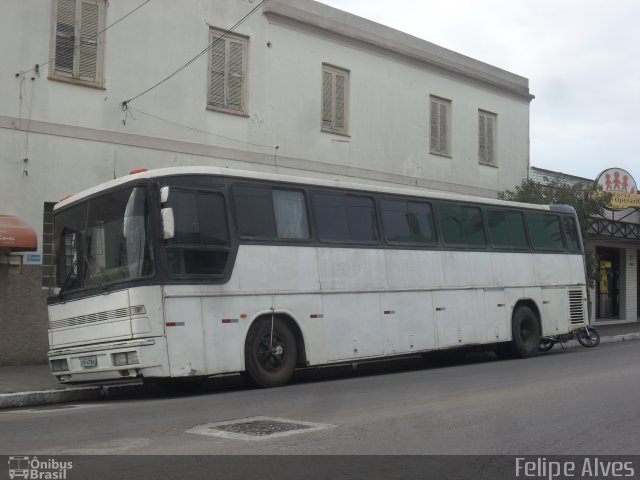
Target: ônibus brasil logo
{"points": [[32, 468]]}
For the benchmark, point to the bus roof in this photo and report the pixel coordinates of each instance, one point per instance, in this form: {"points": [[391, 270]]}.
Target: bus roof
{"points": [[247, 174]]}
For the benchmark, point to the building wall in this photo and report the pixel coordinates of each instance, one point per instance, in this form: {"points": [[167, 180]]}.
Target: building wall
{"points": [[22, 316], [59, 138]]}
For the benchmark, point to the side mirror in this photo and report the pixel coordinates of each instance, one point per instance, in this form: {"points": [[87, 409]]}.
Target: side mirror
{"points": [[164, 195], [168, 223]]}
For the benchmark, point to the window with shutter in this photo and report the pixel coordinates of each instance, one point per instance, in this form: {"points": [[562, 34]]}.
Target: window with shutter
{"points": [[227, 72], [439, 126], [335, 94], [486, 137], [77, 45]]}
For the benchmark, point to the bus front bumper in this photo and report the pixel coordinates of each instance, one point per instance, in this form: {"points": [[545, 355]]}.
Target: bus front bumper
{"points": [[121, 360]]}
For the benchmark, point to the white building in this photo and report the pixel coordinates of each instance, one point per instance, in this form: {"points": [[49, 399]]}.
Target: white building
{"points": [[297, 87]]}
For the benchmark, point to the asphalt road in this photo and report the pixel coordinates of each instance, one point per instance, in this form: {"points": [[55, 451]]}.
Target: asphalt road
{"points": [[580, 401]]}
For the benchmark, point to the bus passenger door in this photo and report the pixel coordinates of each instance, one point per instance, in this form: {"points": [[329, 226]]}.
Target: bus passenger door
{"points": [[185, 339]]}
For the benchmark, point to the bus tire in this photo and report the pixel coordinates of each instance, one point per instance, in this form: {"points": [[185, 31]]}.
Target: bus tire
{"points": [[525, 331], [270, 367]]}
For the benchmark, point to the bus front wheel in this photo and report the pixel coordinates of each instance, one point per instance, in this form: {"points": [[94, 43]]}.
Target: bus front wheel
{"points": [[270, 353], [525, 332]]}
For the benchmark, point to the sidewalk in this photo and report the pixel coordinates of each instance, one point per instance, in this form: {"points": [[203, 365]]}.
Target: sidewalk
{"points": [[32, 385]]}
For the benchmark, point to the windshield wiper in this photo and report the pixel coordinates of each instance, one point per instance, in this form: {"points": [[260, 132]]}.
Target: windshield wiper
{"points": [[68, 280]]}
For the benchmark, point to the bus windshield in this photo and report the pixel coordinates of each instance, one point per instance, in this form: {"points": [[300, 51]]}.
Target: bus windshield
{"points": [[103, 241]]}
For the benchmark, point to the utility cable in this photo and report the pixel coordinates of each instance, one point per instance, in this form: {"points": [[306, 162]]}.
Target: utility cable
{"points": [[126, 103], [137, 110]]}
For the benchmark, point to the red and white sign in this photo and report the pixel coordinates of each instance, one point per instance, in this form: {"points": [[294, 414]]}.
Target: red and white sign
{"points": [[621, 185], [616, 180]]}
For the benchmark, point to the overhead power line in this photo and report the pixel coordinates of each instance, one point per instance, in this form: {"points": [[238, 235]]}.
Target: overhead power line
{"points": [[126, 103], [137, 110]]}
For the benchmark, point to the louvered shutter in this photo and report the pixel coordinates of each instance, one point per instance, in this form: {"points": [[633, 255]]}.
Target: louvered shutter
{"points": [[227, 76], [486, 137], [88, 48], [327, 99], [235, 75], [443, 146], [490, 138], [482, 151], [216, 72], [65, 36], [335, 98], [440, 110], [433, 123], [339, 103]]}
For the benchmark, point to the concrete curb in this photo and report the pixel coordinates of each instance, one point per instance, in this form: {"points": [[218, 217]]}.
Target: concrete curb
{"points": [[45, 397], [72, 394], [621, 338]]}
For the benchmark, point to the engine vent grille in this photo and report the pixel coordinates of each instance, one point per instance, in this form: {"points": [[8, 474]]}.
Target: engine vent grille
{"points": [[576, 306], [116, 314]]}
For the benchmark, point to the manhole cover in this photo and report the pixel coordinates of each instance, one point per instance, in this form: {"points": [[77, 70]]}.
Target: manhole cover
{"points": [[257, 428]]}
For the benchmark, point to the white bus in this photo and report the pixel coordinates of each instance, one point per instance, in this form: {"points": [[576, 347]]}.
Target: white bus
{"points": [[196, 271]]}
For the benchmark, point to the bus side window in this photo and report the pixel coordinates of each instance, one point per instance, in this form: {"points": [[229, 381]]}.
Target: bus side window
{"points": [[545, 231], [345, 218], [200, 245], [407, 222], [254, 211], [291, 214], [266, 213], [362, 219], [331, 217], [461, 225], [506, 229], [571, 234]]}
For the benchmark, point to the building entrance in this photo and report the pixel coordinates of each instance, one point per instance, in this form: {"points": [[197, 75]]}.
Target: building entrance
{"points": [[608, 284]]}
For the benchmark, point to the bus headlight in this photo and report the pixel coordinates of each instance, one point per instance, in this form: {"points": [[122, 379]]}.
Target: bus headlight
{"points": [[125, 358], [59, 365]]}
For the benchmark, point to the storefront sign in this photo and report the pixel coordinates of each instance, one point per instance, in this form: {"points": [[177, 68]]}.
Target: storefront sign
{"points": [[622, 187]]}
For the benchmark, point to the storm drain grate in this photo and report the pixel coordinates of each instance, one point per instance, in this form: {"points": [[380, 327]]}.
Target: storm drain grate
{"points": [[257, 428]]}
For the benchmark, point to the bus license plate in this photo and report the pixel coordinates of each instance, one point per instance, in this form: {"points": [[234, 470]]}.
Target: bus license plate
{"points": [[89, 362]]}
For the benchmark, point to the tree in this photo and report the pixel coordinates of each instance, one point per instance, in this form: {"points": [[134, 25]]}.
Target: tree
{"points": [[579, 195]]}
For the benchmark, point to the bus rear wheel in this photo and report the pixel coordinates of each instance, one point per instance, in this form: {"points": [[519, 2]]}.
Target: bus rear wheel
{"points": [[270, 354], [526, 332]]}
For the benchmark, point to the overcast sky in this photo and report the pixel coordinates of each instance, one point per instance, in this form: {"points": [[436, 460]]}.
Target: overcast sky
{"points": [[582, 59]]}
